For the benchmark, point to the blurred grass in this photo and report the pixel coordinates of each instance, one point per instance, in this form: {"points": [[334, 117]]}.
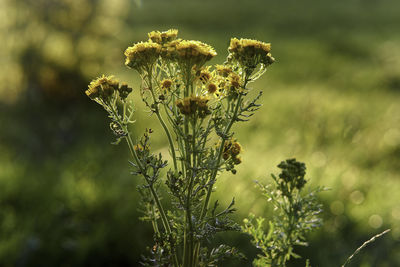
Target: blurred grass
{"points": [[332, 100]]}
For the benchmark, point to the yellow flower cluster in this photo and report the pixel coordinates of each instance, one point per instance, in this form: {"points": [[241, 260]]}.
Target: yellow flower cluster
{"points": [[220, 82], [250, 53], [232, 149], [191, 105], [163, 37], [191, 52], [142, 55], [103, 87]]}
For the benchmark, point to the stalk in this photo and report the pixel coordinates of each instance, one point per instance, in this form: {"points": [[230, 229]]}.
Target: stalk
{"points": [[160, 208], [215, 171], [190, 164], [161, 120]]}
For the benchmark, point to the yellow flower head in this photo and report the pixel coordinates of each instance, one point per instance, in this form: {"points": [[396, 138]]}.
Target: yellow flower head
{"points": [[102, 87], [194, 52], [250, 53], [204, 75], [163, 37], [142, 55], [234, 80]]}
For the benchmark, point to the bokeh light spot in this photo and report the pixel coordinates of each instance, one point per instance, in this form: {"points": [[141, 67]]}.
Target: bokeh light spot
{"points": [[375, 221], [357, 197]]}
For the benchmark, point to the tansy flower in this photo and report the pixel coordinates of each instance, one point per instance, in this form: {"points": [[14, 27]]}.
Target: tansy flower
{"points": [[234, 80], [166, 84], [194, 52], [204, 75], [194, 104], [142, 55], [232, 149], [163, 37], [223, 70], [212, 88], [250, 53], [102, 87], [232, 85]]}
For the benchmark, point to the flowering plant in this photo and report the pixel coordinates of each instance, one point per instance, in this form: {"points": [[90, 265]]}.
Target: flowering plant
{"points": [[197, 106]]}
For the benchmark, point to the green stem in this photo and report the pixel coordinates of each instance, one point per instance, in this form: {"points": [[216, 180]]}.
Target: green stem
{"points": [[220, 150], [162, 122], [215, 171], [188, 233], [160, 208], [164, 218]]}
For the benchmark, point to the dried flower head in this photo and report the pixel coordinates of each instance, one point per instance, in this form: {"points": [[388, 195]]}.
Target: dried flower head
{"points": [[163, 37], [142, 55], [124, 90], [231, 150], [249, 53]]}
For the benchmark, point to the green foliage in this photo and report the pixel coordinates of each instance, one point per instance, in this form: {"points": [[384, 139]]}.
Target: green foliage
{"points": [[295, 214]]}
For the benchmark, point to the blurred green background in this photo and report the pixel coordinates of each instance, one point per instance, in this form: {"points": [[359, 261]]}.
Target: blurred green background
{"points": [[332, 100]]}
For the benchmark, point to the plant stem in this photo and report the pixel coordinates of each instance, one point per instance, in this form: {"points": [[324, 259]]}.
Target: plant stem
{"points": [[160, 208], [220, 150], [161, 120], [190, 175]]}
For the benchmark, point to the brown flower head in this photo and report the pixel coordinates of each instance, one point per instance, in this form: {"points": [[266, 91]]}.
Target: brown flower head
{"points": [[194, 105]]}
